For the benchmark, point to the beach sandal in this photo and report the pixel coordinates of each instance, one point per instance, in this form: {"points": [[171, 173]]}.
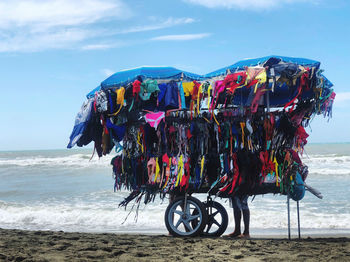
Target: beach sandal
{"points": [[243, 236], [233, 235]]}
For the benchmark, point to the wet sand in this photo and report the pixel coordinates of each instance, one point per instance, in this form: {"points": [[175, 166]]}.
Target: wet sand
{"points": [[19, 245]]}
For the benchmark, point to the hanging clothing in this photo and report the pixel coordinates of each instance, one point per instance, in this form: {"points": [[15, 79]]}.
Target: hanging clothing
{"points": [[81, 121], [154, 118]]}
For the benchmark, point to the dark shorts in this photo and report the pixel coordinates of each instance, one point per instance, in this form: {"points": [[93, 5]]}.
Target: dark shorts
{"points": [[240, 202]]}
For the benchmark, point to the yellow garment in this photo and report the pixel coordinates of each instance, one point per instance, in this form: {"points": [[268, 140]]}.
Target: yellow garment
{"points": [[180, 170], [167, 175], [209, 97], [120, 95], [250, 144], [262, 78], [276, 171], [216, 121], [202, 166], [139, 140], [242, 128], [188, 88], [156, 179], [120, 99]]}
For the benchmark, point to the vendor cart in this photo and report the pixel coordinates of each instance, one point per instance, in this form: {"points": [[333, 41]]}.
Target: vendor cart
{"points": [[238, 130]]}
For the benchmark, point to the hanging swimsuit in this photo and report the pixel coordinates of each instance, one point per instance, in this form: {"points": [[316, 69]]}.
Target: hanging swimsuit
{"points": [[154, 118]]}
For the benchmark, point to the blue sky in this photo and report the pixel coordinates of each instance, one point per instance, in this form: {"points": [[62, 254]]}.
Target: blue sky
{"points": [[54, 52]]}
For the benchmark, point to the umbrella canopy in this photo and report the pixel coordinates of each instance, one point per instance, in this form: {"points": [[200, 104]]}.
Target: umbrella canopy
{"points": [[281, 95], [260, 61], [125, 77]]}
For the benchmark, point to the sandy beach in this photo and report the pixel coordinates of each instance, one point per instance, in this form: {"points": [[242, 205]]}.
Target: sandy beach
{"points": [[19, 245]]}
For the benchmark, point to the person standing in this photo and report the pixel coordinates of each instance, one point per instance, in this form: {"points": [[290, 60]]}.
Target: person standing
{"points": [[240, 208]]}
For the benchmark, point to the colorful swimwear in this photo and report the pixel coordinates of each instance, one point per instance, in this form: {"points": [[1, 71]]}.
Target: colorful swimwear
{"points": [[188, 88], [154, 118]]}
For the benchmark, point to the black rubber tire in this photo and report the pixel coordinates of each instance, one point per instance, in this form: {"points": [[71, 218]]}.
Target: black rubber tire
{"points": [[216, 210], [195, 225]]}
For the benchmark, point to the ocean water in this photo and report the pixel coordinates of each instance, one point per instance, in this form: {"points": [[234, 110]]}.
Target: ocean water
{"points": [[64, 190]]}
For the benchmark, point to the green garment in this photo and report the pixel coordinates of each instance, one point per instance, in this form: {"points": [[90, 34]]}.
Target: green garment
{"points": [[147, 88]]}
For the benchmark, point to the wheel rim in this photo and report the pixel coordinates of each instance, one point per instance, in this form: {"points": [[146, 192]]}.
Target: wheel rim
{"points": [[185, 221], [214, 221]]}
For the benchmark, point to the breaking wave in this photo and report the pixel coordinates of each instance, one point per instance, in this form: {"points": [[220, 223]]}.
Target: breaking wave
{"points": [[268, 213], [71, 161]]}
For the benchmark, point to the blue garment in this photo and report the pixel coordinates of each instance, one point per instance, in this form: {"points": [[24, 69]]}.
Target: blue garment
{"points": [[298, 191], [172, 96], [182, 96], [117, 132], [161, 95], [168, 96], [81, 121]]}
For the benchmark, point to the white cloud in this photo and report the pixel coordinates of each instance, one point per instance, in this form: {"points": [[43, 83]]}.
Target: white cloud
{"points": [[22, 13], [41, 41], [159, 25], [97, 46], [184, 37], [35, 25], [244, 4]]}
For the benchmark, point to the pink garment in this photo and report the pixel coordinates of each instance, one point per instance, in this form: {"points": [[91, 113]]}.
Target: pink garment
{"points": [[154, 118], [151, 167], [219, 87]]}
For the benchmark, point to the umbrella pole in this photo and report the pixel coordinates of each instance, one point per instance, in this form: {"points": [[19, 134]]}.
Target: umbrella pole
{"points": [[298, 219], [288, 216], [268, 101]]}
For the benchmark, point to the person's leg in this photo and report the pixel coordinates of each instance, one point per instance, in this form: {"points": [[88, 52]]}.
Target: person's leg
{"points": [[246, 215], [237, 216], [172, 197]]}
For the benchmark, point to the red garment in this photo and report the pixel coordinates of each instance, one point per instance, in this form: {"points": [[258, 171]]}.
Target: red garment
{"points": [[301, 135], [295, 156], [172, 129], [185, 181], [188, 134], [165, 159], [136, 87], [267, 164], [235, 80], [255, 103], [195, 90]]}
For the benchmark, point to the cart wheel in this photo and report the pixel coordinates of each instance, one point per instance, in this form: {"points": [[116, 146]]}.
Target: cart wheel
{"points": [[188, 220], [217, 219]]}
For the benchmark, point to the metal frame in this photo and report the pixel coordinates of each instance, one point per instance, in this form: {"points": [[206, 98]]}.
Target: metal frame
{"points": [[298, 215]]}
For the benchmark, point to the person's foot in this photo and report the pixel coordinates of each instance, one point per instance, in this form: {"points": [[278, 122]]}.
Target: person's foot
{"points": [[245, 236], [234, 234]]}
